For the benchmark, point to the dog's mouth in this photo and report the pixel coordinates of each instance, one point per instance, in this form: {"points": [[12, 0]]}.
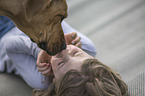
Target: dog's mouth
{"points": [[54, 49]]}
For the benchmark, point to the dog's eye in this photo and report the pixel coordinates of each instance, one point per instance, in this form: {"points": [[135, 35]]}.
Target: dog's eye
{"points": [[40, 34], [56, 19]]}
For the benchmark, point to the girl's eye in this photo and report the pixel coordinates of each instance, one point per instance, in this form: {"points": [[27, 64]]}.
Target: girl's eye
{"points": [[76, 53], [60, 63]]}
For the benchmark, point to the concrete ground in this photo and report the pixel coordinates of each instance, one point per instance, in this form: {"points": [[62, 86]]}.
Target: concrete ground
{"points": [[11, 85], [117, 28]]}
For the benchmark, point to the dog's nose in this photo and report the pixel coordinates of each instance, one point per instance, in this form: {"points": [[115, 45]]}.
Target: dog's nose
{"points": [[43, 45]]}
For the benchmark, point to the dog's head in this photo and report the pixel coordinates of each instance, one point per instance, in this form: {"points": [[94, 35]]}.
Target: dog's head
{"points": [[44, 23]]}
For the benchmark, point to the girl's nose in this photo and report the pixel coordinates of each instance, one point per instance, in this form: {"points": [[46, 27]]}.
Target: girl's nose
{"points": [[63, 52]]}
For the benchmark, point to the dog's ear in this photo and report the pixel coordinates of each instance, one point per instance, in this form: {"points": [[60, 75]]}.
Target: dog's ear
{"points": [[33, 7]]}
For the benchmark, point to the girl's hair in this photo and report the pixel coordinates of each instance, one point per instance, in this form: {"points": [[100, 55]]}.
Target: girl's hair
{"points": [[95, 79]]}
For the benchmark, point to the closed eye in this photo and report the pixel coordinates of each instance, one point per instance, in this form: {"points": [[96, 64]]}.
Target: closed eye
{"points": [[60, 64], [77, 53]]}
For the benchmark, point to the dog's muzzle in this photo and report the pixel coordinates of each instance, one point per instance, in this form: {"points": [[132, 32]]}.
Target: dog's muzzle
{"points": [[54, 49], [43, 45]]}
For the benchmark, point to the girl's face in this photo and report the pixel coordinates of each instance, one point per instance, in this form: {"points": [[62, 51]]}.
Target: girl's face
{"points": [[70, 58]]}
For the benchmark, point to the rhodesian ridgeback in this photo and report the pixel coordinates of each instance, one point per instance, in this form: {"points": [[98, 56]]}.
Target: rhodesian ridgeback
{"points": [[40, 20]]}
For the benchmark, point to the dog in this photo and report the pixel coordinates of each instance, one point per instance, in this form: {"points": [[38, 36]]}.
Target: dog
{"points": [[40, 20]]}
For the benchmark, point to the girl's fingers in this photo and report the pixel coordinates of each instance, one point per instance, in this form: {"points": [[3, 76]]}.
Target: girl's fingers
{"points": [[41, 65], [79, 44], [47, 72], [70, 36], [73, 35], [76, 40], [46, 67]]}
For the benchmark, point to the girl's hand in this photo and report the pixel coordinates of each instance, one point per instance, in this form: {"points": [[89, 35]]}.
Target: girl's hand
{"points": [[43, 63], [73, 39], [45, 69]]}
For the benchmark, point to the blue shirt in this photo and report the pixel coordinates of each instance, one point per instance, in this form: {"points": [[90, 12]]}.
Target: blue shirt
{"points": [[5, 25]]}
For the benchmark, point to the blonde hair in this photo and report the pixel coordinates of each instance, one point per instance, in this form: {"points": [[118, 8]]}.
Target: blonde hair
{"points": [[95, 79]]}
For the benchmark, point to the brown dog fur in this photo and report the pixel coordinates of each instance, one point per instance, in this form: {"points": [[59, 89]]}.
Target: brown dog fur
{"points": [[40, 20]]}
